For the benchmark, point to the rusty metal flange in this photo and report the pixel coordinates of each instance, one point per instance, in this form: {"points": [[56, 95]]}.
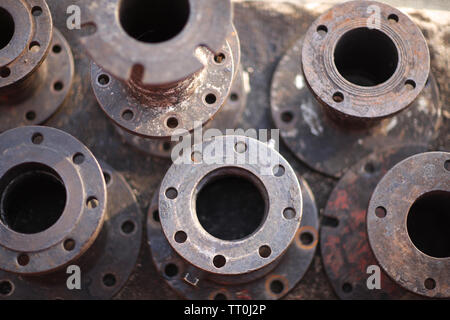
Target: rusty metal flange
{"points": [[36, 64], [176, 83], [330, 146], [108, 262], [34, 157], [364, 66], [202, 23], [194, 283], [344, 242], [408, 220], [227, 118]]}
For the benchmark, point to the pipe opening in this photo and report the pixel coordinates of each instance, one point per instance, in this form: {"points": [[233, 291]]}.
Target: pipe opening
{"points": [[32, 198], [231, 204], [7, 27], [366, 57], [154, 21], [429, 224]]}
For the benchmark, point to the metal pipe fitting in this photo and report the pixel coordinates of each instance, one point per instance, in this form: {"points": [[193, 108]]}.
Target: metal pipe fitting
{"points": [[408, 222], [389, 213], [53, 205], [36, 64], [352, 85], [196, 233], [180, 71]]}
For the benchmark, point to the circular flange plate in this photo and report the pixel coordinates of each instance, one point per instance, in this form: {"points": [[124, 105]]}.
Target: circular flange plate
{"points": [[127, 109], [54, 80], [227, 118], [207, 26], [331, 148], [107, 264], [348, 99], [183, 277], [344, 243], [31, 149], [388, 233]]}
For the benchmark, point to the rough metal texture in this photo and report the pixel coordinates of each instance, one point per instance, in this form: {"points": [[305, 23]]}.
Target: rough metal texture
{"points": [[344, 244], [36, 65], [107, 264], [365, 96], [425, 271], [289, 271], [160, 87], [260, 26], [25, 151], [309, 128], [227, 118]]}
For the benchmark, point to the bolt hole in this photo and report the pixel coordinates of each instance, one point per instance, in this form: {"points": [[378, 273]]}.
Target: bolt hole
{"points": [[127, 115], [36, 11], [210, 98], [5, 72], [171, 270], [234, 97], [410, 84], [57, 48], [30, 115], [447, 165], [92, 203], [331, 222], [37, 138], [6, 288], [109, 280], [156, 216], [430, 284], [78, 158], [58, 86], [338, 97], [171, 193], [220, 296], [322, 30], [287, 116], [277, 287], [278, 171], [103, 79], [69, 244], [306, 238], [347, 287], [380, 212], [128, 227], [289, 213], [172, 122], [369, 167], [23, 259], [265, 251], [219, 261], [180, 237], [107, 177], [240, 147], [219, 58], [34, 47], [393, 18]]}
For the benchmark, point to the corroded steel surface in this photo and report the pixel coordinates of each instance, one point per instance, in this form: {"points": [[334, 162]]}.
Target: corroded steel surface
{"points": [[415, 254], [108, 263], [46, 152], [344, 243], [365, 95], [273, 285], [36, 65]]}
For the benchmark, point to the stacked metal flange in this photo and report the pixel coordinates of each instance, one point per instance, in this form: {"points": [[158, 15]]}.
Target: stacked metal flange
{"points": [[353, 85], [203, 252], [59, 208], [180, 74], [36, 64]]}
